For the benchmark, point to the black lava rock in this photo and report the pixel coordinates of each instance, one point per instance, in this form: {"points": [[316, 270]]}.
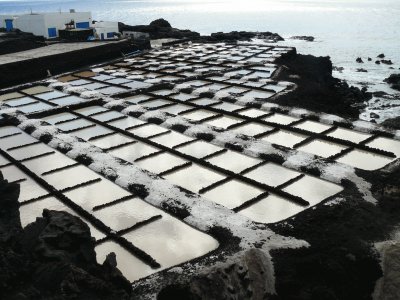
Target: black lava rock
{"points": [[387, 62], [160, 29], [245, 36], [303, 38], [359, 60], [374, 115], [52, 258], [317, 89], [394, 81], [161, 23], [393, 123], [381, 55]]}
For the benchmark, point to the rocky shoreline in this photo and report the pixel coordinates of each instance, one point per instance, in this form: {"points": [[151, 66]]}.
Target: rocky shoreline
{"points": [[162, 29]]}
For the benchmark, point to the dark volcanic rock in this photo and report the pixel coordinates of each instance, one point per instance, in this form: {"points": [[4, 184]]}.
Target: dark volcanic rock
{"points": [[52, 258], [381, 55], [160, 23], [362, 70], [387, 62], [394, 81], [374, 115], [359, 60], [393, 123], [303, 38], [378, 62], [369, 59], [339, 69], [244, 36], [250, 277], [17, 41], [317, 89], [160, 29]]}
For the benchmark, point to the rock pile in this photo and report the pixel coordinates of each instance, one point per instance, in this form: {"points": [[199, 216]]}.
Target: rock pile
{"points": [[53, 257]]}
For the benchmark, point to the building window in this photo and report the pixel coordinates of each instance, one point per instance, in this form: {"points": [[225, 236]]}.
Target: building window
{"points": [[82, 25], [110, 35], [52, 32]]}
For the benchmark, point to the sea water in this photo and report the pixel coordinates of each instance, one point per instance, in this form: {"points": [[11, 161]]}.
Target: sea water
{"points": [[343, 29]]}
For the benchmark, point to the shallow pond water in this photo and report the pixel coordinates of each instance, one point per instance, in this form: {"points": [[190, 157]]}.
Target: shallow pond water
{"points": [[322, 148], [364, 160], [349, 135], [232, 193], [70, 177], [233, 161], [131, 152], [284, 138], [199, 149], [161, 162], [194, 177], [97, 193], [313, 126], [148, 130], [224, 121], [251, 129], [171, 139], [271, 174], [271, 209]]}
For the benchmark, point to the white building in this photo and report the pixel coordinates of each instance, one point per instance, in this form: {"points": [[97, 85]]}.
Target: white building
{"points": [[48, 24], [105, 30]]}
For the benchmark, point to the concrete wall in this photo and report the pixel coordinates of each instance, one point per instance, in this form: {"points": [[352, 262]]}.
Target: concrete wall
{"points": [[105, 28], [29, 70], [31, 23]]}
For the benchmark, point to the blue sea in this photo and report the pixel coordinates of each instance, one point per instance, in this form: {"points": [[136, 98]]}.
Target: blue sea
{"points": [[344, 29]]}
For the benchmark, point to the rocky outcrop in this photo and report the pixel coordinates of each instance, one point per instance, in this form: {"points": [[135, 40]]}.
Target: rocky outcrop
{"points": [[244, 36], [250, 277], [393, 123], [388, 287], [316, 88], [387, 62], [394, 81], [303, 38], [52, 258], [160, 29], [17, 41]]}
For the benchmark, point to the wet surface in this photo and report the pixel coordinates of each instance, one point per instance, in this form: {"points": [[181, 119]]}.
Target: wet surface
{"points": [[233, 193], [322, 148], [271, 209], [194, 177], [271, 174]]}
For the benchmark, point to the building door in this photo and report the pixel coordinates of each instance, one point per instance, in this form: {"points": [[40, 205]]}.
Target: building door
{"points": [[52, 32], [9, 25], [102, 36]]}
